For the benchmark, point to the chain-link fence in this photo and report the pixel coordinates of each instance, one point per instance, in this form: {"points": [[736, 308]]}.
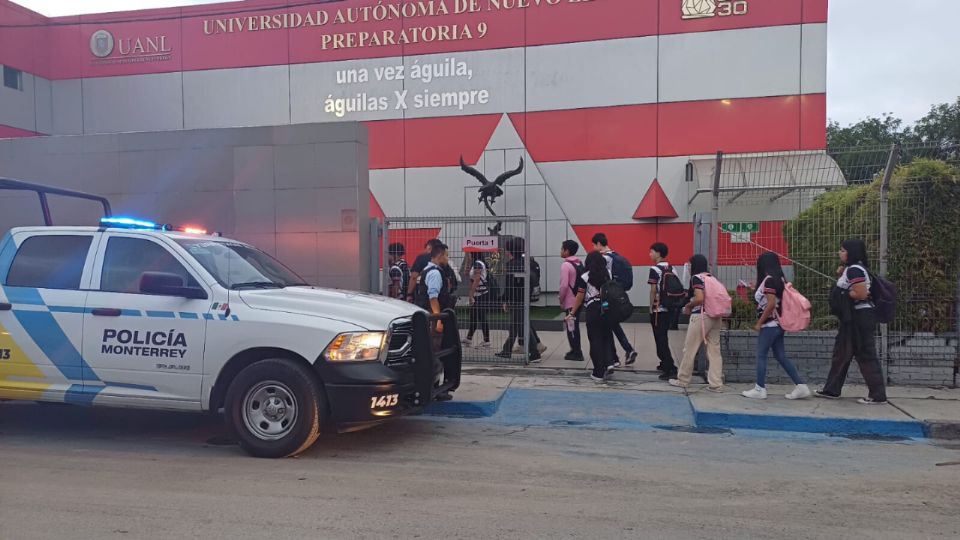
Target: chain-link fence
{"points": [[487, 278], [903, 201]]}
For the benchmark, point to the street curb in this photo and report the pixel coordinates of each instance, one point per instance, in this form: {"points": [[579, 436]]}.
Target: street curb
{"points": [[947, 431], [465, 409], [835, 426]]}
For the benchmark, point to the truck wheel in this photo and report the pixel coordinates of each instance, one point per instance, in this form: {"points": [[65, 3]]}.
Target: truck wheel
{"points": [[273, 407]]}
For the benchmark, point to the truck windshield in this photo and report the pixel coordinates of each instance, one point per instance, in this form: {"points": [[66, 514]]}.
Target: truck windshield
{"points": [[235, 265]]}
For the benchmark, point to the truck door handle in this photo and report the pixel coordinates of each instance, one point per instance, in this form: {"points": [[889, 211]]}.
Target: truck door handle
{"points": [[5, 306], [105, 312]]}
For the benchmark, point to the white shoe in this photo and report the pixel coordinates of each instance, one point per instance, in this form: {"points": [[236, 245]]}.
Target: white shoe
{"points": [[800, 392], [758, 392], [596, 379], [484, 345], [541, 348], [467, 342], [517, 349]]}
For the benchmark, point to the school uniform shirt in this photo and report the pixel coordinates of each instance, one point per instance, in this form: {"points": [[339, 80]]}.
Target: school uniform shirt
{"points": [[769, 286], [400, 276], [591, 294], [696, 284], [481, 268], [852, 275], [656, 274]]}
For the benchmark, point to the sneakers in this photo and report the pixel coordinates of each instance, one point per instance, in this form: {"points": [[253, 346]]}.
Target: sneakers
{"points": [[631, 358], [467, 341], [610, 370], [757, 392], [667, 375], [677, 383], [596, 379], [517, 349], [715, 389], [484, 345], [870, 401], [616, 363], [822, 394], [504, 354], [535, 358], [541, 348], [573, 357], [800, 392]]}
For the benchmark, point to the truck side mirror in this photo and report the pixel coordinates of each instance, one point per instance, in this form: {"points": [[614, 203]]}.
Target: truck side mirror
{"points": [[164, 284]]}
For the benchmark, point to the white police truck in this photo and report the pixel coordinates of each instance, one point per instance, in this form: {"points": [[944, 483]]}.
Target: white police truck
{"points": [[139, 315]]}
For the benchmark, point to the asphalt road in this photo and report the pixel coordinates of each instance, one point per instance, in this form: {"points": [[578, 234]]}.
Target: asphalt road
{"points": [[77, 473]]}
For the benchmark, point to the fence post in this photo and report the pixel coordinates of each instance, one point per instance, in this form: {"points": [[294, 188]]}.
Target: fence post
{"points": [[715, 222], [526, 293], [892, 160], [385, 257]]}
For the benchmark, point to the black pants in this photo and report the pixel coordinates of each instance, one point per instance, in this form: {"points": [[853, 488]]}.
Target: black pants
{"points": [[516, 331], [600, 335], [622, 338], [478, 318], [661, 323], [857, 338], [573, 337]]}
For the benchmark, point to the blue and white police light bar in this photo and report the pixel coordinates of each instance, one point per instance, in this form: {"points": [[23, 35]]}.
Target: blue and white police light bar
{"points": [[126, 222]]}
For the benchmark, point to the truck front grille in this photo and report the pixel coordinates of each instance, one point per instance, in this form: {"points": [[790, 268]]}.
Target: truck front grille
{"points": [[400, 351]]}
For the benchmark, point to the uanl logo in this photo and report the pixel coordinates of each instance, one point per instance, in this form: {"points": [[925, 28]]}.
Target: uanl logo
{"points": [[704, 9], [109, 49]]}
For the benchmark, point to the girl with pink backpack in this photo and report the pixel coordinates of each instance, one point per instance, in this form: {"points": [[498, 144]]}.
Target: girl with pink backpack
{"points": [[709, 303], [779, 308]]}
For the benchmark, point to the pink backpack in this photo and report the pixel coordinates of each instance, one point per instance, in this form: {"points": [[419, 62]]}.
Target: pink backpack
{"points": [[794, 310], [716, 300]]}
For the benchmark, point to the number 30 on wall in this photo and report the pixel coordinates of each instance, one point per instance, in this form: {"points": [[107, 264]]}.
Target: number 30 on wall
{"points": [[726, 9]]}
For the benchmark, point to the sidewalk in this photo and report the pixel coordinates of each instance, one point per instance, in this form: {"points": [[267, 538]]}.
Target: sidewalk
{"points": [[639, 401]]}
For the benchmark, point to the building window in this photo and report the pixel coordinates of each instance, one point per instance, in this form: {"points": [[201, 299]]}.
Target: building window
{"points": [[12, 78]]}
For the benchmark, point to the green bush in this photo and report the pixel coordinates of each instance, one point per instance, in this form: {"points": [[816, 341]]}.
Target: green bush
{"points": [[924, 242]]}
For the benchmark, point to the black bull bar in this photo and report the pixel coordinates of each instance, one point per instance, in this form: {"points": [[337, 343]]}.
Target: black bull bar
{"points": [[435, 351]]}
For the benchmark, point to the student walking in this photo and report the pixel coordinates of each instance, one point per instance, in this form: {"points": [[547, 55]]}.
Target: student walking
{"points": [[513, 301], [858, 327], [769, 297], [599, 332], [479, 297], [620, 270], [570, 270], [702, 329], [399, 272], [662, 311]]}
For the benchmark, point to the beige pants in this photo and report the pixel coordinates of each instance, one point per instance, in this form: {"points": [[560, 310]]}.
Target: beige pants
{"points": [[700, 326]]}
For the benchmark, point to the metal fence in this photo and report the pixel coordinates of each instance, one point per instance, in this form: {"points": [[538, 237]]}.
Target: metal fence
{"points": [[492, 309], [802, 205]]}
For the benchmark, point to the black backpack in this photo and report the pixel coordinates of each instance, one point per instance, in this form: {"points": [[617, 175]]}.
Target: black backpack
{"points": [[884, 296], [422, 299], [615, 305], [622, 270], [580, 269], [672, 293], [534, 280]]}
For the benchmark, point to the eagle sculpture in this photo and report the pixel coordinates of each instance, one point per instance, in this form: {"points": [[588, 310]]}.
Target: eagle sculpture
{"points": [[490, 190]]}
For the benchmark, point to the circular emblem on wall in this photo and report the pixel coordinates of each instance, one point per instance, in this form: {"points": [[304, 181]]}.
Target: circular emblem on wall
{"points": [[101, 43]]}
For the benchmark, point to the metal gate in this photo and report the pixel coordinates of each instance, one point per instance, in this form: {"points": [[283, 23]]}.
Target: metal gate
{"points": [[503, 312]]}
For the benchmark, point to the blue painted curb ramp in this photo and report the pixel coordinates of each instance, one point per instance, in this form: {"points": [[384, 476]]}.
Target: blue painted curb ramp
{"points": [[806, 424], [465, 409]]}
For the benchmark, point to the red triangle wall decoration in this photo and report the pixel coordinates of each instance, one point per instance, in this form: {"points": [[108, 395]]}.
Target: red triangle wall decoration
{"points": [[655, 204]]}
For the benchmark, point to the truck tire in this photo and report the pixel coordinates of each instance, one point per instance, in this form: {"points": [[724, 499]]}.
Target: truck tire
{"points": [[273, 407]]}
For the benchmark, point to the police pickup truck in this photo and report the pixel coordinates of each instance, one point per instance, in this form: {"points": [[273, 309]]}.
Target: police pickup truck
{"points": [[139, 315]]}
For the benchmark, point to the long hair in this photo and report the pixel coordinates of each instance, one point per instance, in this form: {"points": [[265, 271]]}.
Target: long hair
{"points": [[698, 265], [856, 252], [768, 265], [596, 264]]}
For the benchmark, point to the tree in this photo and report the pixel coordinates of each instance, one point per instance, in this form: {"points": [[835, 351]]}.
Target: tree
{"points": [[882, 131], [941, 125]]}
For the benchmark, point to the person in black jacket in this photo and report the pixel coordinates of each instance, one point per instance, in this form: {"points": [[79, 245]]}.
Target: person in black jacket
{"points": [[513, 304]]}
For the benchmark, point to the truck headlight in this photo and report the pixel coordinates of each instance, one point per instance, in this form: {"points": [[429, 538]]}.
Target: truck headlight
{"points": [[356, 347]]}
